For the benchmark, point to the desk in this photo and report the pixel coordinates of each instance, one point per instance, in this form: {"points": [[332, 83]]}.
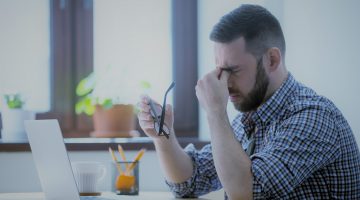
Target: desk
{"points": [[141, 196], [98, 144]]}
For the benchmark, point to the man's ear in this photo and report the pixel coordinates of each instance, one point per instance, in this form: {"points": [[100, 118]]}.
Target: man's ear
{"points": [[274, 58]]}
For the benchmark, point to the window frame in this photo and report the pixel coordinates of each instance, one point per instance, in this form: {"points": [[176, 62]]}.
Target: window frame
{"points": [[185, 62], [71, 46]]}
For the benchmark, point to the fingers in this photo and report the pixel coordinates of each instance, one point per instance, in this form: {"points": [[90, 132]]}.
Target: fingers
{"points": [[144, 98], [214, 74], [145, 112], [224, 76], [147, 126], [143, 107], [169, 108], [145, 117], [146, 121], [198, 87], [218, 72]]}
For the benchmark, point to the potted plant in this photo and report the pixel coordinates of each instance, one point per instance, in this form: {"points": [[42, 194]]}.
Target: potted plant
{"points": [[103, 98], [13, 116]]}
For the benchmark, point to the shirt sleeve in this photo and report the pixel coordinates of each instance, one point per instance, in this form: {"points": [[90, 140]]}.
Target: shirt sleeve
{"points": [[301, 145], [204, 178]]}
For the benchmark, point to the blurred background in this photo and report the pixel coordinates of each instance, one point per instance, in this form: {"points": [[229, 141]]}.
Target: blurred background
{"points": [[48, 46]]}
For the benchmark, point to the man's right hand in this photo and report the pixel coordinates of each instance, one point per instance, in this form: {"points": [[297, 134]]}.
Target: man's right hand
{"points": [[177, 164], [146, 121]]}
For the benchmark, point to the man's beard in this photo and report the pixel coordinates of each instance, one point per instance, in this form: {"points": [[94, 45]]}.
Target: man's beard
{"points": [[257, 95]]}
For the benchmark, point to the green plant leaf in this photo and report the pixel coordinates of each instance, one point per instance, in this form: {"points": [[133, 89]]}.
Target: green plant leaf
{"points": [[84, 105], [94, 90], [145, 85], [90, 110], [13, 101], [89, 107], [107, 104], [79, 107], [86, 85]]}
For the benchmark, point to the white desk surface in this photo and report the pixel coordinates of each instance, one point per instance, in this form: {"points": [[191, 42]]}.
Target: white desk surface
{"points": [[142, 196]]}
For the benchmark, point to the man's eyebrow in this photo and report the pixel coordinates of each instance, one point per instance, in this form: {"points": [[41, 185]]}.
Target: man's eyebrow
{"points": [[228, 68]]}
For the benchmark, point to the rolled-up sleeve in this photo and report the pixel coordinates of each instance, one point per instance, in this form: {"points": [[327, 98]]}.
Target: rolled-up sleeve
{"points": [[204, 178], [303, 143]]}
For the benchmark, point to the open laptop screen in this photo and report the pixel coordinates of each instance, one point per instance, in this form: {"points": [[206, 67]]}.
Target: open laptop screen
{"points": [[51, 159]]}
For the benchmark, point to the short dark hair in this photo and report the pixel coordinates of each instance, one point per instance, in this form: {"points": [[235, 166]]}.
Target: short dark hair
{"points": [[260, 29]]}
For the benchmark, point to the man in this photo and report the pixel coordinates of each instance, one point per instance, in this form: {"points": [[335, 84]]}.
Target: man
{"points": [[286, 143]]}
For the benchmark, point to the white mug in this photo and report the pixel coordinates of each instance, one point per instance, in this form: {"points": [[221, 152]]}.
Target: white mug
{"points": [[87, 175]]}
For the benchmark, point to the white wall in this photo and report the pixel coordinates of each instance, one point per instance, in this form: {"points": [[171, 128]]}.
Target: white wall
{"points": [[324, 51], [323, 48]]}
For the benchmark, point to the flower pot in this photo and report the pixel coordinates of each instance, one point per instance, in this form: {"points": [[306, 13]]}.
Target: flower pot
{"points": [[118, 121], [13, 123]]}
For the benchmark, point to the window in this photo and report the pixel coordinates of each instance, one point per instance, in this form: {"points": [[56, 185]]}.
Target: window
{"points": [[82, 40], [45, 54], [24, 51], [132, 40], [66, 40]]}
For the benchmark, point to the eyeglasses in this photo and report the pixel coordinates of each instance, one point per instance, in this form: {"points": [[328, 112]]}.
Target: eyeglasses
{"points": [[159, 119]]}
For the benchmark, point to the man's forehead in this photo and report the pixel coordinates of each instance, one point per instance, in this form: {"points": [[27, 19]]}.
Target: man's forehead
{"points": [[230, 54], [238, 44], [230, 50]]}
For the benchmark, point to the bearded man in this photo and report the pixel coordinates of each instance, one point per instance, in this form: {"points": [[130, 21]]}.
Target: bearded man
{"points": [[287, 141]]}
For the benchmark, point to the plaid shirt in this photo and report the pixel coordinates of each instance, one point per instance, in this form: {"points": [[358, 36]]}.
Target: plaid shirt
{"points": [[304, 149]]}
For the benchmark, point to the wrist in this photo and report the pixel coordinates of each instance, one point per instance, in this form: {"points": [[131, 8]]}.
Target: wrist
{"points": [[160, 141], [217, 115], [218, 123]]}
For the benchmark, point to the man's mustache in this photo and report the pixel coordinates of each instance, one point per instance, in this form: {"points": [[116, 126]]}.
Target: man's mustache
{"points": [[232, 91]]}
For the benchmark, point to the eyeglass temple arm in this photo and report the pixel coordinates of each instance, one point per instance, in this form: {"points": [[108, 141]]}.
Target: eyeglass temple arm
{"points": [[164, 108], [156, 119]]}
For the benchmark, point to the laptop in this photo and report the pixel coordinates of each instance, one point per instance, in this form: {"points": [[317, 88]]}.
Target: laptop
{"points": [[52, 161]]}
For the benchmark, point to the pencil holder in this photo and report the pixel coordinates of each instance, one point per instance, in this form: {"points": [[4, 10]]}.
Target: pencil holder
{"points": [[126, 182]]}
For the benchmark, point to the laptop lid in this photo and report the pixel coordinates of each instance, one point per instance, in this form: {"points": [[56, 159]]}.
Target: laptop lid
{"points": [[51, 160]]}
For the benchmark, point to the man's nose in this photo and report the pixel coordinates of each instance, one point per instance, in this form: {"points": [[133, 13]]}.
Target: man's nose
{"points": [[230, 82]]}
